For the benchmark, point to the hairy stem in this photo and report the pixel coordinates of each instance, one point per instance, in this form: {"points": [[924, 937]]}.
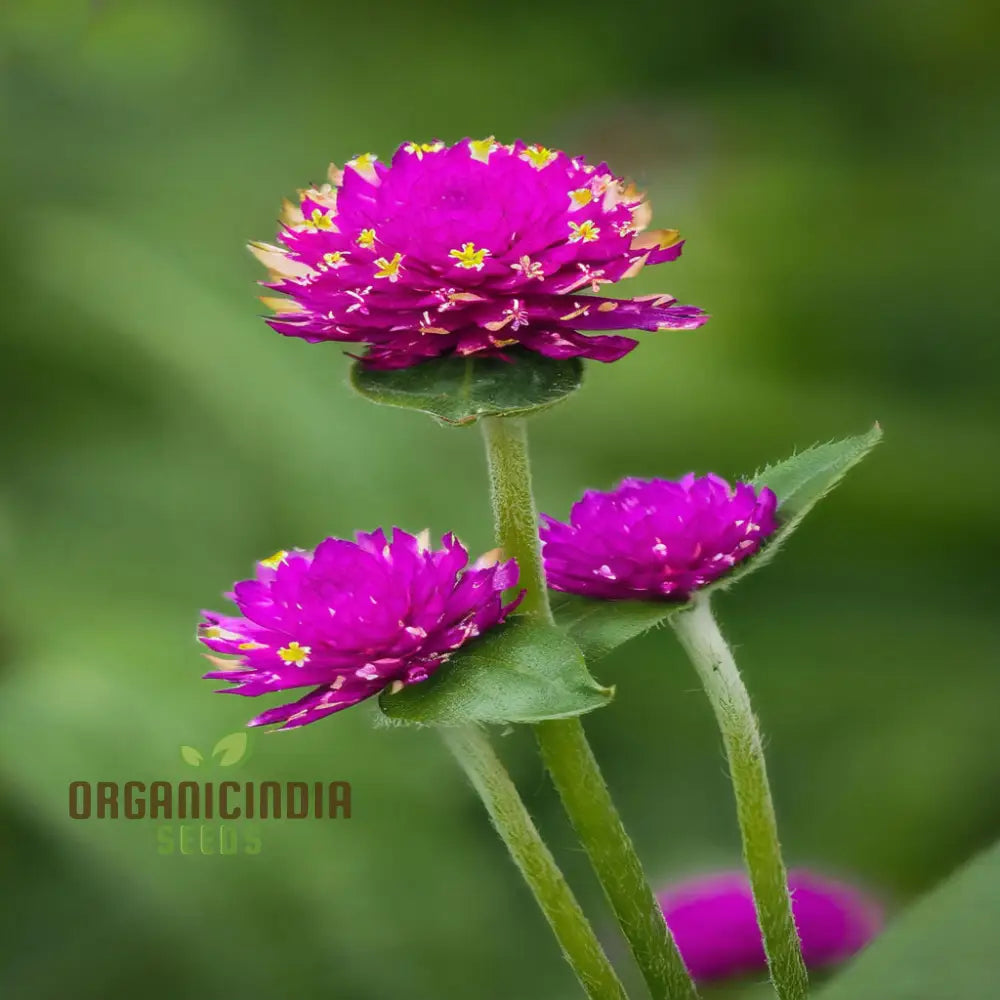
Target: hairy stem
{"points": [[514, 511], [700, 636], [564, 745], [577, 940]]}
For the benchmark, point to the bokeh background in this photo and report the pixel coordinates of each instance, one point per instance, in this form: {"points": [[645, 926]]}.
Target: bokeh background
{"points": [[833, 167]]}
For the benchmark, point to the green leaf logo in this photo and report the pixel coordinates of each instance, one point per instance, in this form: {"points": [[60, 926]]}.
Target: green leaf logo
{"points": [[230, 749], [192, 756]]}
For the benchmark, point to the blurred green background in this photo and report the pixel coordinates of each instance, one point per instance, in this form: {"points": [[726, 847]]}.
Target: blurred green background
{"points": [[834, 170]]}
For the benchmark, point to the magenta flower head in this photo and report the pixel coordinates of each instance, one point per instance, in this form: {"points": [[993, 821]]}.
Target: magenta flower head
{"points": [[713, 922], [468, 249], [653, 539], [353, 618]]}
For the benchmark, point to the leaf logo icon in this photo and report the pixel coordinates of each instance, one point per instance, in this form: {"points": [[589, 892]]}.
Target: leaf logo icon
{"points": [[192, 756], [230, 749]]}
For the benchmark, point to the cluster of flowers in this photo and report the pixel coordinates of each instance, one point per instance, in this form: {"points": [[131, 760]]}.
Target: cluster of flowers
{"points": [[353, 618], [474, 249], [466, 249]]}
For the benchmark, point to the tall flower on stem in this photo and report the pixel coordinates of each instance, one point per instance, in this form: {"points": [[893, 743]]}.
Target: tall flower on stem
{"points": [[563, 742], [352, 619], [656, 540], [476, 255], [469, 249]]}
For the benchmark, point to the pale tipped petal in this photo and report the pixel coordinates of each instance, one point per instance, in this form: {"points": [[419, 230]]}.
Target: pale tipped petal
{"points": [[291, 214], [488, 559], [281, 305], [277, 261]]}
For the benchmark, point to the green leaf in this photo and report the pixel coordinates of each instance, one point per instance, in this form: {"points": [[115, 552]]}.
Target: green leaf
{"points": [[230, 749], [459, 390], [802, 480], [191, 756], [943, 948], [799, 482], [524, 671], [598, 627]]}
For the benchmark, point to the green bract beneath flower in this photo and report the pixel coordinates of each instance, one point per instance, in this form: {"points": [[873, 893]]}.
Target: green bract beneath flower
{"points": [[799, 483], [524, 671], [458, 390]]}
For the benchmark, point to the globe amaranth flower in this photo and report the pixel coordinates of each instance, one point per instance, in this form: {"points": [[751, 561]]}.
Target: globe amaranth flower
{"points": [[468, 249], [352, 618], [655, 539], [713, 922]]}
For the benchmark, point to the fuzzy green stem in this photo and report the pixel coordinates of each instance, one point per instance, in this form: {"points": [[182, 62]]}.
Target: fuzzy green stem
{"points": [[579, 944], [700, 636], [564, 745], [514, 511], [588, 803]]}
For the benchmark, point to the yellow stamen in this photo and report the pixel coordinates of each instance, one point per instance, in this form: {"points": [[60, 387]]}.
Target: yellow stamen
{"points": [[481, 148], [363, 164], [389, 268], [336, 259], [538, 156], [585, 232], [469, 257], [319, 220], [581, 197], [419, 148], [273, 562], [295, 654], [366, 238]]}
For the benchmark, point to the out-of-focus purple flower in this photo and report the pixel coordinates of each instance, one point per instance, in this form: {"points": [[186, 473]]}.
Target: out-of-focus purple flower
{"points": [[654, 539], [353, 618], [713, 922], [468, 249]]}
